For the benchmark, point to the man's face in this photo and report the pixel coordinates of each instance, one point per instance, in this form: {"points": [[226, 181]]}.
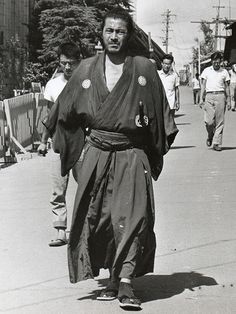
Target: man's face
{"points": [[166, 65], [216, 64], [115, 35], [68, 65]]}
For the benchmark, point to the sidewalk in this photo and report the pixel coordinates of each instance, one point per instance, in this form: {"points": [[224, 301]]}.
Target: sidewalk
{"points": [[195, 266]]}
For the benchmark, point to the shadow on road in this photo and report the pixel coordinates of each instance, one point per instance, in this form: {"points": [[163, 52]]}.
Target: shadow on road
{"points": [[184, 123], [157, 287], [228, 148], [179, 115], [178, 147]]}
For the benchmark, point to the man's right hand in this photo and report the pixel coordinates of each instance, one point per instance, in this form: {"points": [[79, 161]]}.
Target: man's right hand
{"points": [[202, 104], [42, 149]]}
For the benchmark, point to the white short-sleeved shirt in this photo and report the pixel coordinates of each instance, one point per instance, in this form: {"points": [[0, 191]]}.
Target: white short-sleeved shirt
{"points": [[215, 80], [54, 87], [195, 83], [170, 81], [232, 76]]}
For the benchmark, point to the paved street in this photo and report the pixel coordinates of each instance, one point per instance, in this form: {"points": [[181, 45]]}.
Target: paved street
{"points": [[195, 266]]}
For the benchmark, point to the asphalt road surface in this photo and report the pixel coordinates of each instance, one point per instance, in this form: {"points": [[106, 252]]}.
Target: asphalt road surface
{"points": [[195, 265]]}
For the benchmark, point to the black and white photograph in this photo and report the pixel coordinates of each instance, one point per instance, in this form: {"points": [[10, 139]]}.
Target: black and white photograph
{"points": [[118, 156]]}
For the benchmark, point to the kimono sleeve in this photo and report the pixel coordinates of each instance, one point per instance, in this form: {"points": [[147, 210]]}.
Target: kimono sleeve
{"points": [[163, 129], [64, 122], [166, 128], [50, 121]]}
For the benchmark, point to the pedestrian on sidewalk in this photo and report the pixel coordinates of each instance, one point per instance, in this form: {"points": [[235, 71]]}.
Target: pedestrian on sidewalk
{"points": [[69, 56], [215, 94], [196, 89], [170, 81], [232, 73], [121, 99]]}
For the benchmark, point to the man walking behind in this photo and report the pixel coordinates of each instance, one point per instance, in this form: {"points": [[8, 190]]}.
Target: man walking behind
{"points": [[69, 56], [170, 82], [121, 99], [215, 94], [232, 73], [196, 89]]}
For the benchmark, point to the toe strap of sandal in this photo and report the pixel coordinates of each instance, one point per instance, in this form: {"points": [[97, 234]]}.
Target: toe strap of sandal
{"points": [[129, 300]]}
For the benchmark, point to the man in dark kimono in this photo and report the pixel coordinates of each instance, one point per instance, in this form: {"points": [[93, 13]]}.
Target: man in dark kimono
{"points": [[120, 98]]}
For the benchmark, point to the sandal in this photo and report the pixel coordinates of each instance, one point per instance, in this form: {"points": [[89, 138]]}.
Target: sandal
{"points": [[110, 293], [107, 295], [126, 297], [57, 242]]}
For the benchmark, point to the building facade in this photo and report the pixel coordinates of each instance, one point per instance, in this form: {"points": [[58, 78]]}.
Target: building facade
{"points": [[14, 28], [230, 45]]}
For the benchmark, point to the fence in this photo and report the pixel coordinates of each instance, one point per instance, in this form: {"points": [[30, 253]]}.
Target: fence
{"points": [[2, 131], [41, 112], [23, 117]]}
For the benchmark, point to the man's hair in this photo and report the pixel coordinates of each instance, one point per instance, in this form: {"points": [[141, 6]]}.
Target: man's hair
{"points": [[168, 57], [120, 13], [70, 50], [216, 55]]}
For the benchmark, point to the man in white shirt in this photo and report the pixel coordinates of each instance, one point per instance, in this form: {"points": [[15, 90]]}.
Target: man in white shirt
{"points": [[69, 56], [196, 89], [232, 73], [170, 81], [215, 94]]}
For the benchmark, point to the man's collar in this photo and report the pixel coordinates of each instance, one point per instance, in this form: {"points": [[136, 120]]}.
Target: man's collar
{"points": [[168, 73], [216, 70]]}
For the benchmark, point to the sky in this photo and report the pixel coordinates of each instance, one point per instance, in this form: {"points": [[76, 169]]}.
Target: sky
{"points": [[182, 32]]}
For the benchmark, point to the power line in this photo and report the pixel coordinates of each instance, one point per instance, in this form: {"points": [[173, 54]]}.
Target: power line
{"points": [[216, 21]]}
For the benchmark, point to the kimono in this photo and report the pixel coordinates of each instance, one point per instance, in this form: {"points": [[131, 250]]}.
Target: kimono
{"points": [[131, 129]]}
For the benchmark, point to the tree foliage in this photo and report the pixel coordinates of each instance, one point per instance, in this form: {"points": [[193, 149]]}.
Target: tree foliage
{"points": [[68, 20], [206, 45], [13, 61], [34, 72]]}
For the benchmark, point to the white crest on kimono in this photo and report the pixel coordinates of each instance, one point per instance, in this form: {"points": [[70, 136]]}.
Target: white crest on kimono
{"points": [[138, 122], [86, 83], [142, 80]]}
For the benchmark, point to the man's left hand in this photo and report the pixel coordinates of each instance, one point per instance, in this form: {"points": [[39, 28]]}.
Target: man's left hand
{"points": [[42, 149], [177, 106], [201, 104]]}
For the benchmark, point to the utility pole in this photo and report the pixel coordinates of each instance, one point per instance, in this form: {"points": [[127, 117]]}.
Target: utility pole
{"points": [[217, 20], [199, 56], [167, 22], [150, 48], [229, 10]]}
